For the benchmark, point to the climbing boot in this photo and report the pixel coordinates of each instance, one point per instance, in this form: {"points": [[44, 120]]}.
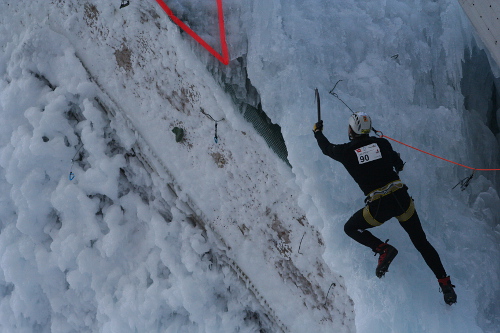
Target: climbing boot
{"points": [[447, 289], [387, 254]]}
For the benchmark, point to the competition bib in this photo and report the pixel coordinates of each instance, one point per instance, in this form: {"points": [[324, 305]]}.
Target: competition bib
{"points": [[368, 153]]}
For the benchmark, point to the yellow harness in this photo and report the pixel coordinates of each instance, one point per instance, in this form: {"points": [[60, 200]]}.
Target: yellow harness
{"points": [[382, 192]]}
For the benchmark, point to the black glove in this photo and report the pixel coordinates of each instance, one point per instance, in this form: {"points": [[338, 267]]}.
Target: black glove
{"points": [[318, 127]]}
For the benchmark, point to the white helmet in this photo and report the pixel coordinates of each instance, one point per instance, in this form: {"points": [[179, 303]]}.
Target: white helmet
{"points": [[360, 123]]}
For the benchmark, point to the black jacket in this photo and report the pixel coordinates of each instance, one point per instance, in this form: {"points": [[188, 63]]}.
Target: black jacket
{"points": [[370, 161]]}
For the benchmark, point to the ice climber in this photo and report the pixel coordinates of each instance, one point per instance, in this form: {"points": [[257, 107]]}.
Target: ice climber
{"points": [[375, 166]]}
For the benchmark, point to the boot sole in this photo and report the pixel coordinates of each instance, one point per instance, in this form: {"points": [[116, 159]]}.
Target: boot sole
{"points": [[384, 266], [450, 297]]}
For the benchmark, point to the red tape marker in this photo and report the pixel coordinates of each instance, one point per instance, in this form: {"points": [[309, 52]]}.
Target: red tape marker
{"points": [[224, 58]]}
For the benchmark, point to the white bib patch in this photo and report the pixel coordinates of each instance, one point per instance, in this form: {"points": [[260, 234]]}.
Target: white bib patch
{"points": [[368, 153]]}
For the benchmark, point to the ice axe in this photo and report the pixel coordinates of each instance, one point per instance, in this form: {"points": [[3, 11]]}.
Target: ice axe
{"points": [[319, 125], [316, 97]]}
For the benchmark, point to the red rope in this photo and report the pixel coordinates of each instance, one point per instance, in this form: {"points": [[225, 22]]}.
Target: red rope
{"points": [[224, 58], [422, 151]]}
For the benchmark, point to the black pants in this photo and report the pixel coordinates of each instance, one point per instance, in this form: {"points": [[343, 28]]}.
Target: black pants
{"points": [[393, 205]]}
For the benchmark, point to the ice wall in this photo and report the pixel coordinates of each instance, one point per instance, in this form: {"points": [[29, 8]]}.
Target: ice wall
{"points": [[400, 61], [403, 62]]}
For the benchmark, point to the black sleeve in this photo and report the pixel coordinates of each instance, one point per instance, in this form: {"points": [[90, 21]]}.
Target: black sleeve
{"points": [[329, 149], [397, 162], [323, 142]]}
